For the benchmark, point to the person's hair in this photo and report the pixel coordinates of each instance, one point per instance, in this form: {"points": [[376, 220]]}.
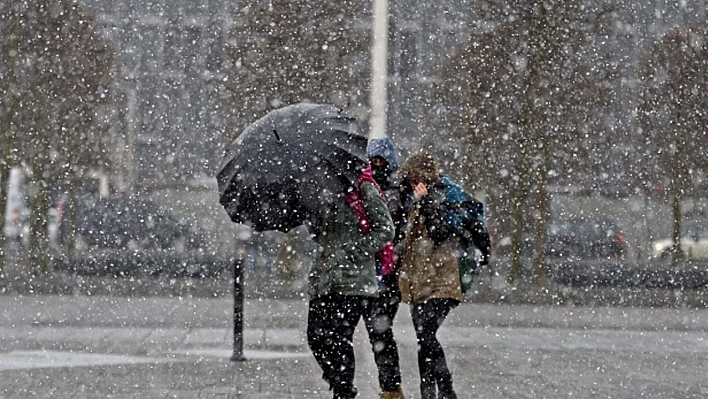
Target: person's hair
{"points": [[420, 168]]}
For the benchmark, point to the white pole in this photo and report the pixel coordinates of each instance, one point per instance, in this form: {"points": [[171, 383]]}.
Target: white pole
{"points": [[379, 74]]}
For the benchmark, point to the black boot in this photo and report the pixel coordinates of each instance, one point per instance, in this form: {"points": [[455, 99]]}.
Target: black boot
{"points": [[427, 391], [447, 395], [349, 393]]}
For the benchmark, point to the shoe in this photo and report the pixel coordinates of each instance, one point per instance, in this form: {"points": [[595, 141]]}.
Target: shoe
{"points": [[447, 395], [428, 391], [345, 394], [397, 394]]}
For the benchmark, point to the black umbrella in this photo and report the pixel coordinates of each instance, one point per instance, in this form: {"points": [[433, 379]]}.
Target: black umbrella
{"points": [[290, 166]]}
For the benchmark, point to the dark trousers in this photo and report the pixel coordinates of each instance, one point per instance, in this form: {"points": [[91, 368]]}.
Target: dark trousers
{"points": [[427, 319], [331, 321], [379, 325]]}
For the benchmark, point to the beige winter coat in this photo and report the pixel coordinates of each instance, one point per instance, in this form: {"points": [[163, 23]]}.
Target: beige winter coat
{"points": [[427, 270]]}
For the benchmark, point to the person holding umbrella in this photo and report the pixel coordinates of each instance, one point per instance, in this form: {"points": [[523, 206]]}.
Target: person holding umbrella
{"points": [[382, 310], [342, 279], [306, 164]]}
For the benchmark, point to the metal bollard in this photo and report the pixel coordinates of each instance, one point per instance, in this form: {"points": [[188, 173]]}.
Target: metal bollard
{"points": [[238, 312]]}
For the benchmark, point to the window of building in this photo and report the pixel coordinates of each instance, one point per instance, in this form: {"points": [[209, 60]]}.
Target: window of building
{"points": [[175, 108], [131, 50], [195, 7], [173, 44], [154, 7], [216, 49], [151, 49], [192, 47], [409, 53], [101, 6], [148, 110], [391, 45], [146, 160]]}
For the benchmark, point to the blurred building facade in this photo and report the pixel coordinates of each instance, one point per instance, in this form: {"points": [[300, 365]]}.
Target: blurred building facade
{"points": [[171, 52]]}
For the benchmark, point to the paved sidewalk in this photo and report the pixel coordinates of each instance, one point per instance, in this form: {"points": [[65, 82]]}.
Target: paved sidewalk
{"points": [[156, 347]]}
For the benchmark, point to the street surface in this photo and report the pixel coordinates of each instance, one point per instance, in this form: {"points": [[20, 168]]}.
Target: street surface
{"points": [[159, 347]]}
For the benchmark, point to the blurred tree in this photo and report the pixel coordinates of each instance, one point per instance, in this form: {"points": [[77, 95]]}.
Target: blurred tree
{"points": [[56, 70], [522, 98], [673, 115], [283, 51]]}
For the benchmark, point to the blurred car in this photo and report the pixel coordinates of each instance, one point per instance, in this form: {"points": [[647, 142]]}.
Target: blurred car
{"points": [[131, 223], [578, 238], [586, 238], [694, 244]]}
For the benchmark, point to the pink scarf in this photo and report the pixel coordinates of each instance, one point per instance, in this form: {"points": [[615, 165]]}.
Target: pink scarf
{"points": [[385, 258]]}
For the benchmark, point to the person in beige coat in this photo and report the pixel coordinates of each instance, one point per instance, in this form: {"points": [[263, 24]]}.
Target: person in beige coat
{"points": [[429, 275]]}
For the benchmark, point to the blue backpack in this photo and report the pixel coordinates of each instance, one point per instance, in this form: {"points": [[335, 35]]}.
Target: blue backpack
{"points": [[466, 215]]}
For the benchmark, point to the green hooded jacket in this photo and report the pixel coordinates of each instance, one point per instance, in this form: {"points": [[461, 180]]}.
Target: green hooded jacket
{"points": [[344, 263]]}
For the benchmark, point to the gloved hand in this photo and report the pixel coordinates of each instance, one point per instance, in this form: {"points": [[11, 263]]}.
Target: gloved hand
{"points": [[484, 261]]}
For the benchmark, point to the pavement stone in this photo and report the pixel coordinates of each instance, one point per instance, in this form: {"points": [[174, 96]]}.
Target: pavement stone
{"points": [[180, 347]]}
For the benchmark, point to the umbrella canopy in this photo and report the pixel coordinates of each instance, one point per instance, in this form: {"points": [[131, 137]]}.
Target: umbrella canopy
{"points": [[290, 166]]}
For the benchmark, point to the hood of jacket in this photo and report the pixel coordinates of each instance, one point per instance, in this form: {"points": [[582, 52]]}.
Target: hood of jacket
{"points": [[385, 149], [420, 167]]}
